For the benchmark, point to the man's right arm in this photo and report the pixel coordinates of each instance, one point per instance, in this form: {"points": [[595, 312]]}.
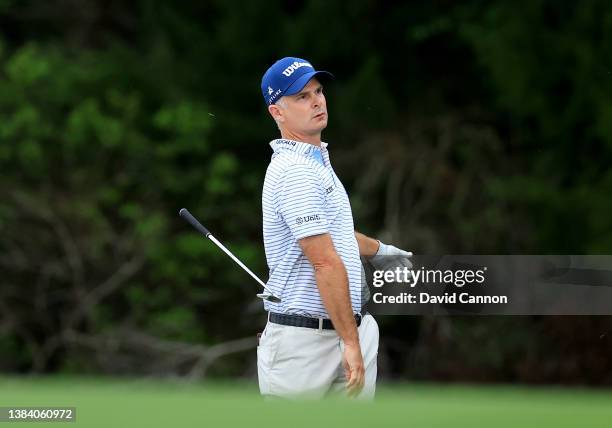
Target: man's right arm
{"points": [[332, 281]]}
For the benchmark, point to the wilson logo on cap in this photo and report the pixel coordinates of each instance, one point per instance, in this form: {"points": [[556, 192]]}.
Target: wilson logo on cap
{"points": [[289, 70]]}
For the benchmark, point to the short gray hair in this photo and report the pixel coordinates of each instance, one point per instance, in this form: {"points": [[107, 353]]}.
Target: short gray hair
{"points": [[282, 104]]}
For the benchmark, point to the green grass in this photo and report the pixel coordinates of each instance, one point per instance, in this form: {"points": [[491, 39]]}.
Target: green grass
{"points": [[108, 403]]}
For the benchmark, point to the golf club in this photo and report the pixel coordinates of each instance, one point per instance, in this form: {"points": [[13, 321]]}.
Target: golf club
{"points": [[200, 228]]}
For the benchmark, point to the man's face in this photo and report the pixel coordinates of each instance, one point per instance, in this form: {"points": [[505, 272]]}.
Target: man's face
{"points": [[304, 112]]}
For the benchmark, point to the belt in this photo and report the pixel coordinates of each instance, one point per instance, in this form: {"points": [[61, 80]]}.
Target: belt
{"points": [[308, 322]]}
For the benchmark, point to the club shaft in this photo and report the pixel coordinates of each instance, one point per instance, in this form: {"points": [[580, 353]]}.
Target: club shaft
{"points": [[238, 262], [196, 224]]}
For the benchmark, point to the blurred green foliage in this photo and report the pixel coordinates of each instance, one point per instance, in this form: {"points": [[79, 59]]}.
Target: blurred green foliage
{"points": [[479, 127]]}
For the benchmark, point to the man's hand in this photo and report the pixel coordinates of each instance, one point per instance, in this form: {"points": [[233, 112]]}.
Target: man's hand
{"points": [[354, 371], [390, 257]]}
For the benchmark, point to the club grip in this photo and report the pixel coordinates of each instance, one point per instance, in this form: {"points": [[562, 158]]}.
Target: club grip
{"points": [[194, 222]]}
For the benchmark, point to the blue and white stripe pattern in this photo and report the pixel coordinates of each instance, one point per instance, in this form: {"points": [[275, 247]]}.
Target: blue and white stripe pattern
{"points": [[302, 196]]}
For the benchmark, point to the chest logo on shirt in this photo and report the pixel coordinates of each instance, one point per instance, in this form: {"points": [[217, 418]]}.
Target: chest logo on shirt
{"points": [[307, 218], [329, 190]]}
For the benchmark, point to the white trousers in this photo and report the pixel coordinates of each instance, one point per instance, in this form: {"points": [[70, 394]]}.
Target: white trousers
{"points": [[299, 362]]}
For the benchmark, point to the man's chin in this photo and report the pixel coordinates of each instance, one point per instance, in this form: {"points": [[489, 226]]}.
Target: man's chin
{"points": [[316, 129], [321, 126]]}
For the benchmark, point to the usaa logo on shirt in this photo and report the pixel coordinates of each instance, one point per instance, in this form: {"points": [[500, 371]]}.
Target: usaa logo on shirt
{"points": [[307, 218]]}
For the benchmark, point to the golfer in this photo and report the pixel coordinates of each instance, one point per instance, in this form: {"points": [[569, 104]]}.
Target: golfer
{"points": [[318, 340]]}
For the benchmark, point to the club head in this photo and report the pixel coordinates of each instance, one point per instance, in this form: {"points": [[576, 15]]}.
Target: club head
{"points": [[269, 297]]}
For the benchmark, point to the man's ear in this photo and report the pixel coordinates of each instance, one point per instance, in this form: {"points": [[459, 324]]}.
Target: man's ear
{"points": [[276, 112]]}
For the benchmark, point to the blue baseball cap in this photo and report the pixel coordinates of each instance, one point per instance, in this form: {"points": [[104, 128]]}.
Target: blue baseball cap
{"points": [[287, 76]]}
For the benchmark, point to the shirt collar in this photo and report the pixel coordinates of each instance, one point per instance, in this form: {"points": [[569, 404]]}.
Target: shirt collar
{"points": [[283, 145]]}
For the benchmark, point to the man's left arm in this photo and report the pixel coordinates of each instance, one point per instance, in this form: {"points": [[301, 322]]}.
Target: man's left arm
{"points": [[382, 256], [368, 247]]}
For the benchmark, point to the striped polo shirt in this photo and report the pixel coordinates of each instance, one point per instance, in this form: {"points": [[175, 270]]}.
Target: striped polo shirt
{"points": [[302, 196]]}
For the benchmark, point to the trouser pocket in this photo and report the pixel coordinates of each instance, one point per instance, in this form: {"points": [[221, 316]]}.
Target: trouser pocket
{"points": [[267, 349]]}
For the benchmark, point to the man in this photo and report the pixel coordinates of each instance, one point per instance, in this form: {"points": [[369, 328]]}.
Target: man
{"points": [[317, 339]]}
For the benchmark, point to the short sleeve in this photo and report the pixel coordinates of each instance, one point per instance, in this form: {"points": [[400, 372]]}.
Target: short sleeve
{"points": [[301, 202]]}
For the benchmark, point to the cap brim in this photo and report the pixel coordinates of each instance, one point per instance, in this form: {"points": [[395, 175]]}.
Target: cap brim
{"points": [[299, 84]]}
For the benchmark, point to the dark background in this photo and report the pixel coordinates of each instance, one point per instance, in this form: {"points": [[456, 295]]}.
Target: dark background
{"points": [[473, 127]]}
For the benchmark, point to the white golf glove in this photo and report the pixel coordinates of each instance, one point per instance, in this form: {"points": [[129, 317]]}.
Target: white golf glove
{"points": [[389, 257]]}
